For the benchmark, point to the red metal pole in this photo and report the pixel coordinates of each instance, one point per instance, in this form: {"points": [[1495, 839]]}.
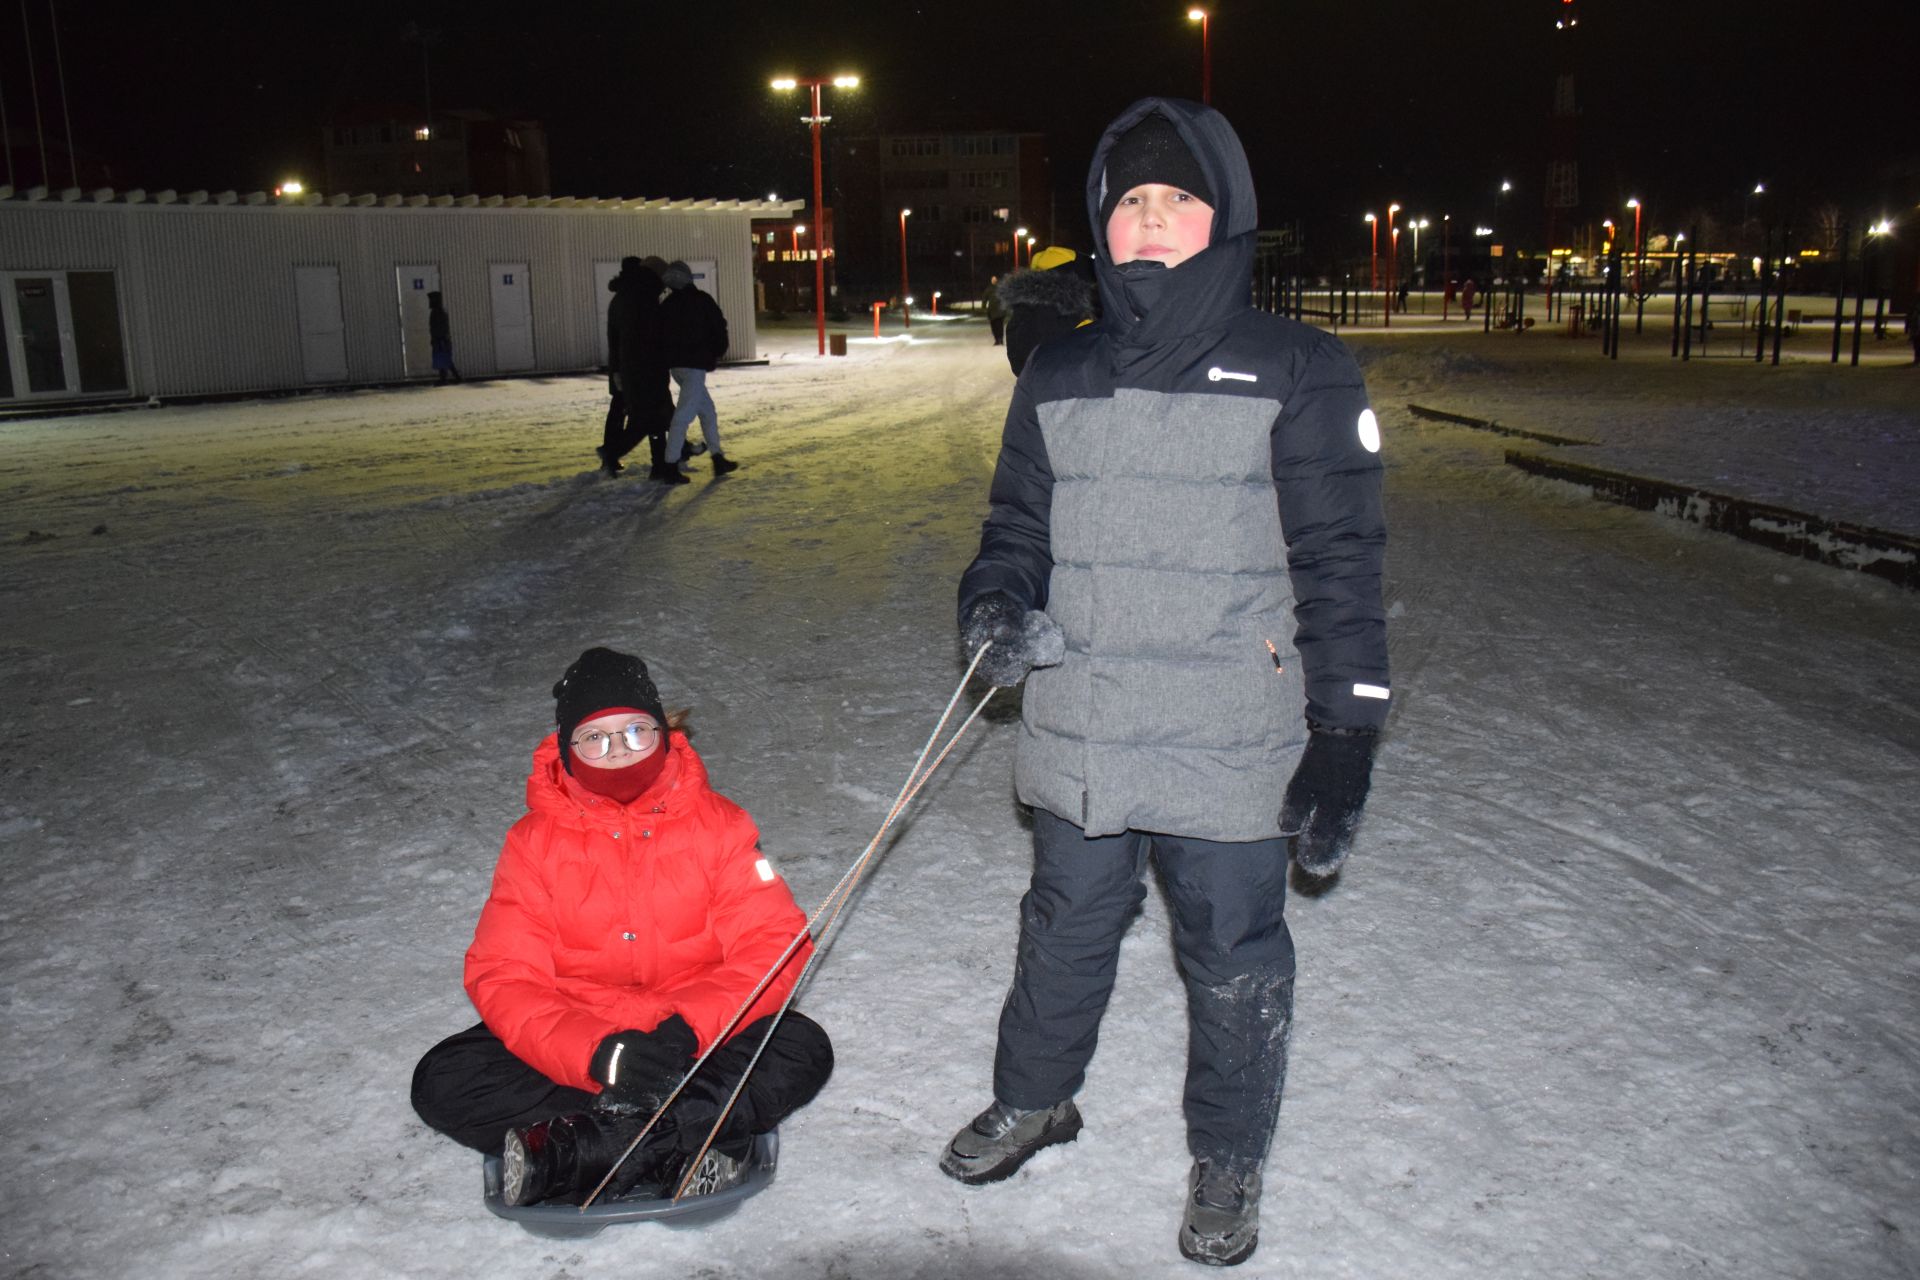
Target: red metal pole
{"points": [[819, 241], [906, 312], [1206, 61]]}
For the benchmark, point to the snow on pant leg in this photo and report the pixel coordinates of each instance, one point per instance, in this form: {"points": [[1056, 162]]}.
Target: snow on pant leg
{"points": [[791, 1072], [1084, 893], [1230, 932], [471, 1088]]}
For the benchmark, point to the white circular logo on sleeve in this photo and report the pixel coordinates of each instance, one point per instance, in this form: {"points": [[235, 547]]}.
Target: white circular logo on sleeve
{"points": [[1369, 431]]}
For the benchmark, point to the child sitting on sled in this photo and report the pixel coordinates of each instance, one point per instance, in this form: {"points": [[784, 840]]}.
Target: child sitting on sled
{"points": [[632, 915]]}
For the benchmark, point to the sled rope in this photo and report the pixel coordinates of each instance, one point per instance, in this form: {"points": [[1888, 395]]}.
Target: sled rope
{"points": [[831, 907]]}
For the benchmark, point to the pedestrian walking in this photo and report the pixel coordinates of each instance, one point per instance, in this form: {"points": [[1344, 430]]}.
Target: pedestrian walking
{"points": [[1185, 537], [996, 310], [639, 379], [440, 340], [694, 335], [1467, 287], [1053, 296], [631, 917]]}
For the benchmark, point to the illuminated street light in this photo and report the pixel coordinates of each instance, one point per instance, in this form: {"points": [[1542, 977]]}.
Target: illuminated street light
{"points": [[906, 302], [1393, 258], [1373, 255], [786, 83], [1204, 18], [290, 187], [1019, 234], [1419, 272]]}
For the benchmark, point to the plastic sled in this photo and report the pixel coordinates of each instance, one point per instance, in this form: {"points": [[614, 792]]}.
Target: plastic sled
{"points": [[569, 1222]]}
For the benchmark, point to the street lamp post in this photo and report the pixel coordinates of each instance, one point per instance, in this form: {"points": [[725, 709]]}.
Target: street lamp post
{"points": [[1205, 19], [1639, 266], [1419, 268], [1373, 254], [815, 120], [906, 317], [1019, 234], [1393, 261], [799, 230], [1446, 264]]}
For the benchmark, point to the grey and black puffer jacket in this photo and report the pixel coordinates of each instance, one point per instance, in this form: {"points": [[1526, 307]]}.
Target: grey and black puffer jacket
{"points": [[1182, 485]]}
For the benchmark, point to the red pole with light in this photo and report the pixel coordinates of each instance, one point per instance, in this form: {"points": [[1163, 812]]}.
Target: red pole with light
{"points": [[1202, 17], [814, 121], [1373, 255], [906, 312]]}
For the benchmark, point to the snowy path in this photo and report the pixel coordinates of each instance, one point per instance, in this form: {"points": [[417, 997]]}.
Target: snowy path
{"points": [[1623, 980]]}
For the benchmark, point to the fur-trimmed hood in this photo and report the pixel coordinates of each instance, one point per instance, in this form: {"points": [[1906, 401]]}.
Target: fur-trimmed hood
{"points": [[1067, 288]]}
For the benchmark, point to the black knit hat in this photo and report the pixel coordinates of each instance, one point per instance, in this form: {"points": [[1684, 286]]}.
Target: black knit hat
{"points": [[598, 679], [1151, 151]]}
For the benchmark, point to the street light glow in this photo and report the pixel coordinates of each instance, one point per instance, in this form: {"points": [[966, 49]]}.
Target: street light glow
{"points": [[1506, 186], [846, 82], [1196, 15], [1759, 188], [786, 82], [1392, 209], [1884, 227], [800, 229], [1371, 218], [906, 213], [1632, 203], [291, 187]]}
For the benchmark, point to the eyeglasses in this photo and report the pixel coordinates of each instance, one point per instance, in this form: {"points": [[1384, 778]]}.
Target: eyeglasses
{"points": [[594, 744]]}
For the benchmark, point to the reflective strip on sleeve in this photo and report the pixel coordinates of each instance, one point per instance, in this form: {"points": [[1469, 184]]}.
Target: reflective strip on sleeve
{"points": [[765, 869], [1370, 691]]}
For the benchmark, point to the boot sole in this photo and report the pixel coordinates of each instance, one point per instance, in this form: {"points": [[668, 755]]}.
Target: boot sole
{"points": [[1066, 1131], [513, 1170], [1193, 1253]]}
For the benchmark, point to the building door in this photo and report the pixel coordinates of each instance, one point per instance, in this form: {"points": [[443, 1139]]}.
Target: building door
{"points": [[603, 273], [416, 281], [512, 317], [60, 335], [100, 349], [39, 335], [323, 326]]}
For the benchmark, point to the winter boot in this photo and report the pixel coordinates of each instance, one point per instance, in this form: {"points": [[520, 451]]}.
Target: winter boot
{"points": [[723, 464], [667, 473], [1002, 1138], [1222, 1224], [694, 448], [608, 463], [564, 1158]]}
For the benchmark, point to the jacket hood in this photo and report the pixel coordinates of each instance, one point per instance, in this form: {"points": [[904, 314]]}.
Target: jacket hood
{"points": [[1146, 304], [643, 279], [1067, 288], [553, 792]]}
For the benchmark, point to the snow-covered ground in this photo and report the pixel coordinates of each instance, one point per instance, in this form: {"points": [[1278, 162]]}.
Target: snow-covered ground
{"points": [[1622, 981]]}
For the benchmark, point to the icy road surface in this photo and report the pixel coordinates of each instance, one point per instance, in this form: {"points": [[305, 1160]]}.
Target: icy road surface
{"points": [[1622, 980]]}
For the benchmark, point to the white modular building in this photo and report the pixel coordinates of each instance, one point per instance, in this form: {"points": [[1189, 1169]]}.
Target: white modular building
{"points": [[118, 295]]}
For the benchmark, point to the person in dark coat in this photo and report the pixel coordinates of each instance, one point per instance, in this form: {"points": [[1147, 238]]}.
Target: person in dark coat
{"points": [[1053, 296], [996, 310], [1185, 537], [694, 330], [636, 350], [440, 340], [632, 919]]}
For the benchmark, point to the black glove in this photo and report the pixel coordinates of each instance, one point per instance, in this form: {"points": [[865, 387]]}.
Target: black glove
{"points": [[1022, 638], [1326, 795], [637, 1069]]}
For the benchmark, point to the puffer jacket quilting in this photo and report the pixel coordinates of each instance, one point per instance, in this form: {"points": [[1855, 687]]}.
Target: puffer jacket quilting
{"points": [[1179, 486], [606, 917]]}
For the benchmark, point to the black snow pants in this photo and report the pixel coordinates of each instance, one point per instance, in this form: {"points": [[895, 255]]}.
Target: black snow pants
{"points": [[1235, 953], [471, 1087]]}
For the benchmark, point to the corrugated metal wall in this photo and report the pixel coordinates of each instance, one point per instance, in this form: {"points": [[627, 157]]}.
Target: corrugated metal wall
{"points": [[207, 297]]}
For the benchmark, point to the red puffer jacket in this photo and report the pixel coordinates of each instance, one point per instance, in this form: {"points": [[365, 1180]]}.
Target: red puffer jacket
{"points": [[607, 917]]}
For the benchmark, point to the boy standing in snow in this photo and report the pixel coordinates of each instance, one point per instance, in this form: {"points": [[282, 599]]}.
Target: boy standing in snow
{"points": [[1186, 535], [631, 917]]}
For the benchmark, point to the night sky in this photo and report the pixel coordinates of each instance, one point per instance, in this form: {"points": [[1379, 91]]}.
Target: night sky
{"points": [[1343, 104]]}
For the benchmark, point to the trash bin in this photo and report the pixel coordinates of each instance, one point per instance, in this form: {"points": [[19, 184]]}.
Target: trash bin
{"points": [[837, 344]]}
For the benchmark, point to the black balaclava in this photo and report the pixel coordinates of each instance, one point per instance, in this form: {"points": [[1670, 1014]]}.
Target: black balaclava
{"points": [[600, 679], [1151, 151]]}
